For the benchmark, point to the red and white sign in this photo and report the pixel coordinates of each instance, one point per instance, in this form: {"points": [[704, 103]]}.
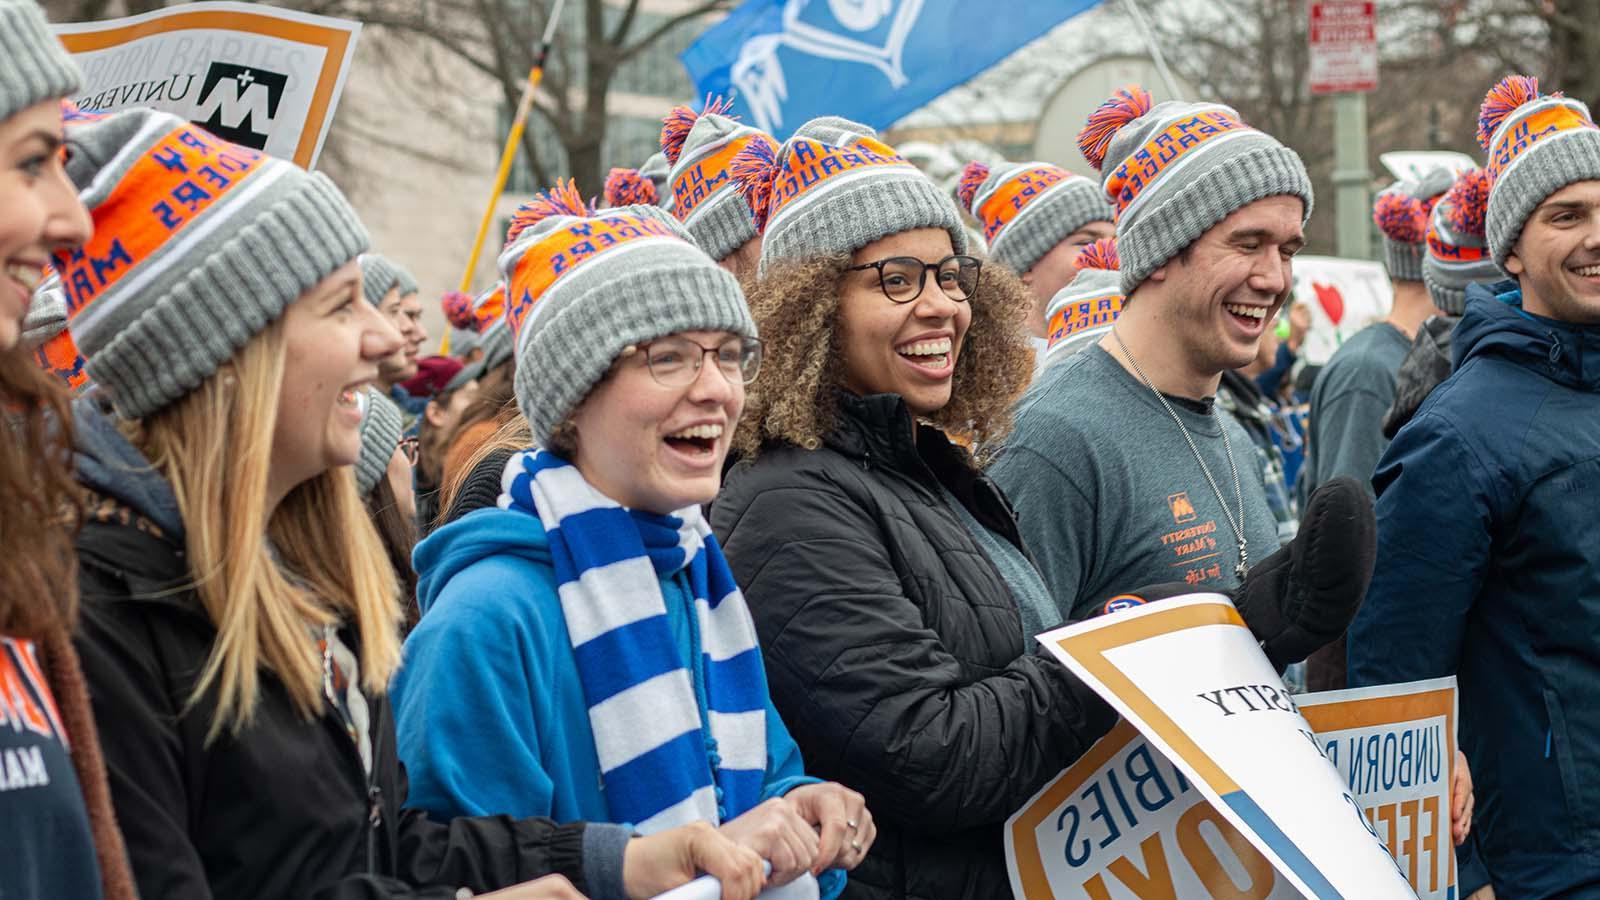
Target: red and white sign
{"points": [[1344, 47]]}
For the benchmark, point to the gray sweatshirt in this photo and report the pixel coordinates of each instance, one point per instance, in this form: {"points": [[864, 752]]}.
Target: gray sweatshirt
{"points": [[1110, 497]]}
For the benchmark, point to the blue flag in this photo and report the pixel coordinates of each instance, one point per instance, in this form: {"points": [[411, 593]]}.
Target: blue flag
{"points": [[873, 61]]}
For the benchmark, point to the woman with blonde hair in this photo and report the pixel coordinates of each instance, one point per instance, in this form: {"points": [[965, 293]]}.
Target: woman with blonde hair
{"points": [[240, 617], [57, 828]]}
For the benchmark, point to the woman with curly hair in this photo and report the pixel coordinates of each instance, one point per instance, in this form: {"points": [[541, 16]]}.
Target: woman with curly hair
{"points": [[883, 568], [56, 821]]}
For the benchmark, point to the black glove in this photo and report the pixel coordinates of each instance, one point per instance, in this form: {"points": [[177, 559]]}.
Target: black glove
{"points": [[1303, 597]]}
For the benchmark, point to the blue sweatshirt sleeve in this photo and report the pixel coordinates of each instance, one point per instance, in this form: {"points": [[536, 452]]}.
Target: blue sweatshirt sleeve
{"points": [[785, 769], [469, 695], [1435, 517]]}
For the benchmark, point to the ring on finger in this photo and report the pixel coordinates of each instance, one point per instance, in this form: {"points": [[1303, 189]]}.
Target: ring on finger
{"points": [[856, 846], [853, 824]]}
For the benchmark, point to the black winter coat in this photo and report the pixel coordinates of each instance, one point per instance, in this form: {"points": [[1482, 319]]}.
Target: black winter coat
{"points": [[895, 650], [284, 810]]}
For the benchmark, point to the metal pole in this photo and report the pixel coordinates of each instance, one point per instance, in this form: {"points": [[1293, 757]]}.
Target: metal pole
{"points": [[1352, 205], [1143, 24], [513, 141]]}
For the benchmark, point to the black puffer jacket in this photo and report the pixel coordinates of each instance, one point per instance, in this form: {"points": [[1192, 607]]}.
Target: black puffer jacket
{"points": [[894, 649], [284, 810]]}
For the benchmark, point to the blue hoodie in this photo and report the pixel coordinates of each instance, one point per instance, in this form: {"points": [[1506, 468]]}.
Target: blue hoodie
{"points": [[1489, 569], [489, 708]]}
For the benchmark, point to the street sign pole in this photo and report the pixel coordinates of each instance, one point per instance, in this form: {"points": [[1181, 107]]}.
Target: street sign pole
{"points": [[1344, 62], [1352, 204]]}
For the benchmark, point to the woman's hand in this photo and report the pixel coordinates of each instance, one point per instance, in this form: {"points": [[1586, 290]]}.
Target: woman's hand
{"points": [[659, 862], [776, 831], [1461, 800], [842, 821]]}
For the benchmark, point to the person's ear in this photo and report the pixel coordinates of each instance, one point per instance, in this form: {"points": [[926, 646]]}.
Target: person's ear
{"points": [[1513, 261]]}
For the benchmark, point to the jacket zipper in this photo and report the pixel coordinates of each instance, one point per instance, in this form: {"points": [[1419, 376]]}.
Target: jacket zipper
{"points": [[374, 822]]}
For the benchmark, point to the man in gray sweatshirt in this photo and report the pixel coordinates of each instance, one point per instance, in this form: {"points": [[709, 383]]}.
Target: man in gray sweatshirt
{"points": [[1122, 470]]}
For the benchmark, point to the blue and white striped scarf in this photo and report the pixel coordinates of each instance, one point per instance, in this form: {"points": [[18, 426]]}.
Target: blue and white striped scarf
{"points": [[662, 765]]}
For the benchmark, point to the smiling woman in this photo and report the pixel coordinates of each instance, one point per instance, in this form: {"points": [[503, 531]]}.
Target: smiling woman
{"points": [[884, 569]]}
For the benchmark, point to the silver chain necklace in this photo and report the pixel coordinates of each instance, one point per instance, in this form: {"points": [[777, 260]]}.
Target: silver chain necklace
{"points": [[1236, 523]]}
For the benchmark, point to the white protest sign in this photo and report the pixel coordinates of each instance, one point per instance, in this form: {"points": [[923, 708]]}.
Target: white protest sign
{"points": [[1395, 746], [1189, 675], [256, 75], [1085, 834], [1413, 164], [708, 888], [1345, 296]]}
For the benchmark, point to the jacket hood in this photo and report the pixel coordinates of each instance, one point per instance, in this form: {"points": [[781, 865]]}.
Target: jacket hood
{"points": [[473, 537], [1495, 324], [109, 465]]}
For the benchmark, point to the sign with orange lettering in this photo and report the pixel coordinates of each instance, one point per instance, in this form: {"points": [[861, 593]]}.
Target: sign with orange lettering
{"points": [[1225, 792], [256, 75]]}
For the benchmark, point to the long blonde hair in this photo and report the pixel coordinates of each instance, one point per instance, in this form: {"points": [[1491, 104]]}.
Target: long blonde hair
{"points": [[325, 562]]}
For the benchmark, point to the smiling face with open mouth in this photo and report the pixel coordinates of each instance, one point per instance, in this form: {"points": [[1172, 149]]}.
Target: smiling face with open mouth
{"points": [[1557, 257], [911, 348], [655, 446], [39, 210]]}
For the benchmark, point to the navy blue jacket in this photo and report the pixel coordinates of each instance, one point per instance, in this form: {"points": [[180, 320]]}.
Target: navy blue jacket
{"points": [[1489, 569]]}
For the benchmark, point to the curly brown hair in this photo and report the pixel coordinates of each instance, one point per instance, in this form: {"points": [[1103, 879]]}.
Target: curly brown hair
{"points": [[796, 304], [40, 504]]}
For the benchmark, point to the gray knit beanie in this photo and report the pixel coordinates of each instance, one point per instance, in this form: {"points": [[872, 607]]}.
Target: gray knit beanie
{"points": [[1401, 213], [1173, 170], [198, 246], [833, 188], [34, 67], [464, 341], [47, 312], [379, 276], [1083, 311], [1537, 144], [583, 285], [405, 281], [1028, 208], [1458, 252], [381, 424], [701, 148]]}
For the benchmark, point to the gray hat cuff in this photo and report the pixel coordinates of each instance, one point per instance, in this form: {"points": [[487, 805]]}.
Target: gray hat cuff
{"points": [[564, 359], [1404, 261], [197, 322], [1450, 300], [1543, 169], [1160, 234], [722, 226], [34, 67], [464, 340], [1021, 245], [380, 435], [853, 216], [498, 345], [378, 277]]}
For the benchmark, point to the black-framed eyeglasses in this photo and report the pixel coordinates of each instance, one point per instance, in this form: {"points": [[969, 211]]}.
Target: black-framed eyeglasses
{"points": [[676, 361], [902, 278]]}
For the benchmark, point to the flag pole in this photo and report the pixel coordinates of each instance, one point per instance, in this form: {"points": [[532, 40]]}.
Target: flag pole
{"points": [[513, 140], [1143, 24]]}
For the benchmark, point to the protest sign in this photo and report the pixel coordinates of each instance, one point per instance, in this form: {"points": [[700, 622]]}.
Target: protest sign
{"points": [[1344, 296], [1188, 674], [708, 888], [1395, 746], [256, 75]]}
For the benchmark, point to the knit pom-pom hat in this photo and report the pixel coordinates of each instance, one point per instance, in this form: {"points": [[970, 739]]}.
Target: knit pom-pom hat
{"points": [[1026, 209], [1401, 213], [1458, 252], [1083, 311], [701, 148]]}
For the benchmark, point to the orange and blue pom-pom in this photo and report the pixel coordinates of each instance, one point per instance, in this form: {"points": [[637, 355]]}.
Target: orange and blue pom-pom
{"points": [[1102, 254], [1501, 101], [680, 121], [1401, 217], [458, 310], [972, 177], [1467, 203], [753, 171], [1124, 106], [626, 187], [561, 200]]}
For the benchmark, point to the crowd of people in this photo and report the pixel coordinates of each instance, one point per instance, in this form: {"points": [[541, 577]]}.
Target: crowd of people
{"points": [[717, 543]]}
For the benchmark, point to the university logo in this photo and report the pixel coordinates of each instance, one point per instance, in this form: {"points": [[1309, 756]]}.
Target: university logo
{"points": [[239, 103], [1182, 509], [872, 32]]}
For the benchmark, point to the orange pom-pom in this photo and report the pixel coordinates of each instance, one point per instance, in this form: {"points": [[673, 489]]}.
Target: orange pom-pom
{"points": [[1102, 254], [626, 187], [1467, 203], [458, 310], [680, 120], [561, 200], [972, 177], [1501, 101], [753, 171], [1124, 106], [1401, 217]]}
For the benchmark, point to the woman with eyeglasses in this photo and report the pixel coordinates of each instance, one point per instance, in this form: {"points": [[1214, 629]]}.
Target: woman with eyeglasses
{"points": [[884, 569], [583, 651]]}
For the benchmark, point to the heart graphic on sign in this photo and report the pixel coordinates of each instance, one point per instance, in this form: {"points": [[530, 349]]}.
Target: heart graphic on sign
{"points": [[1331, 301]]}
